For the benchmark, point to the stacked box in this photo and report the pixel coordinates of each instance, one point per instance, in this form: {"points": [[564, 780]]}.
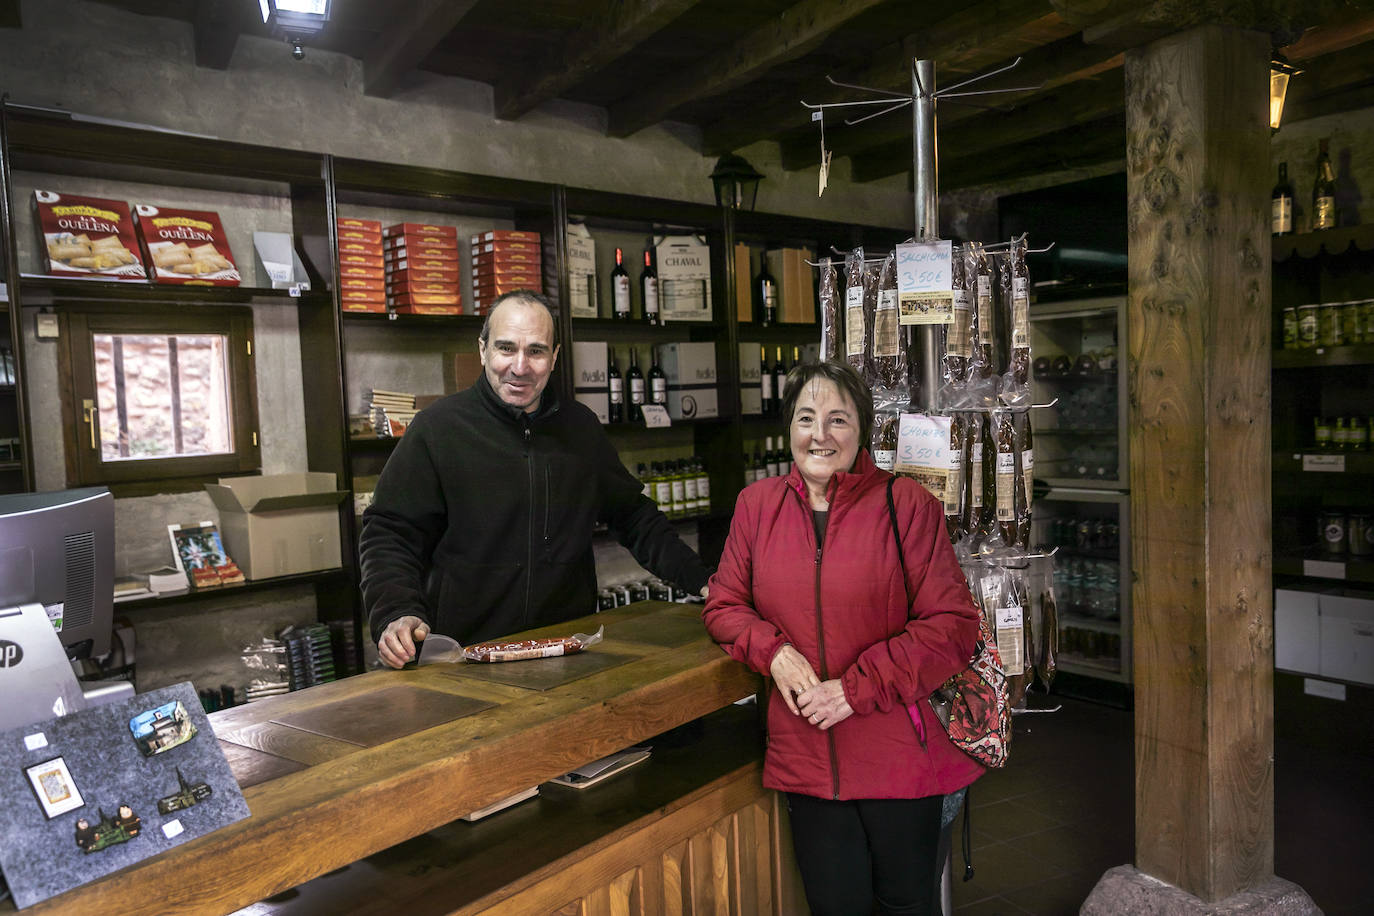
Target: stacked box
{"points": [[362, 286], [422, 269], [185, 246], [503, 261]]}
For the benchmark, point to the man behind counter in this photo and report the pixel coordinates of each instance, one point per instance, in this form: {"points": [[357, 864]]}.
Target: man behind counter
{"points": [[481, 522]]}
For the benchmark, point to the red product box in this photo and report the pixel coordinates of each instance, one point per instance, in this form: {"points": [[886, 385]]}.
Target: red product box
{"points": [[347, 259], [356, 284], [421, 287], [186, 247], [87, 237], [358, 297], [421, 229], [494, 288], [404, 252], [358, 272], [422, 240], [506, 272], [447, 274], [505, 235], [400, 299], [369, 249], [506, 248], [506, 259], [366, 225], [428, 310], [396, 265], [360, 235], [375, 308]]}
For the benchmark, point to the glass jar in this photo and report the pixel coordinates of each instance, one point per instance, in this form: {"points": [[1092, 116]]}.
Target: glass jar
{"points": [[1290, 328], [1329, 325], [1307, 326], [1334, 538], [1352, 331], [1359, 535]]}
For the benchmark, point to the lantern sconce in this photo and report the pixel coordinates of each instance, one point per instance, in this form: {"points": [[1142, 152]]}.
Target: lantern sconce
{"points": [[736, 182]]}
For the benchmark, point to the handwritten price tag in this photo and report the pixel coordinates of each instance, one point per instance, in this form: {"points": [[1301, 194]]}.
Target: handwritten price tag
{"points": [[923, 444], [925, 286], [655, 416]]}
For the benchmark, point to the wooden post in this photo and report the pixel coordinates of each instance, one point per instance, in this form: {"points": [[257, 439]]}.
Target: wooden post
{"points": [[1199, 342]]}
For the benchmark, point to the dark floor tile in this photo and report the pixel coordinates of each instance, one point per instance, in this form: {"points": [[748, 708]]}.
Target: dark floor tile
{"points": [[1059, 896], [1007, 820], [1000, 870], [1074, 850], [992, 906]]}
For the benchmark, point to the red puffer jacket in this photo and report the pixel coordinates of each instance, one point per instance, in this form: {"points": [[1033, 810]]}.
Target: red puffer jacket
{"points": [[844, 607]]}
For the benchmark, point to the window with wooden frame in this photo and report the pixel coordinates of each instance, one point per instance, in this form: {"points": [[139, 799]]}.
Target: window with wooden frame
{"points": [[158, 401]]}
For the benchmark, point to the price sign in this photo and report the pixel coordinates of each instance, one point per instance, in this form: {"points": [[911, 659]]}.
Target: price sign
{"points": [[1324, 463], [923, 451], [925, 288], [655, 416]]}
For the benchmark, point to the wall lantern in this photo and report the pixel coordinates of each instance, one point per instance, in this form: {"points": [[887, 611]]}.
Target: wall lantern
{"points": [[295, 20], [1279, 72], [736, 181]]}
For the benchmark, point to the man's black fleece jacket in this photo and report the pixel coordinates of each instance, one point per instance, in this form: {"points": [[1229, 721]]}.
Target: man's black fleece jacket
{"points": [[481, 521]]}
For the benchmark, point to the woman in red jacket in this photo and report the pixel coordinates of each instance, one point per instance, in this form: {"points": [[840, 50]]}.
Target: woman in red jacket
{"points": [[810, 591]]}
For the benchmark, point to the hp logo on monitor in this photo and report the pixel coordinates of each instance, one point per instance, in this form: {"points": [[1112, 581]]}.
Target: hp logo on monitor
{"points": [[11, 653]]}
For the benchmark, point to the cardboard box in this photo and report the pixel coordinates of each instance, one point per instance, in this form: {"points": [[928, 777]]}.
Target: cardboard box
{"points": [[422, 240], [279, 524], [421, 229], [796, 285], [371, 306], [684, 278], [423, 309], [360, 235], [87, 237], [408, 299], [461, 370], [750, 378], [396, 265], [1297, 631], [185, 247], [424, 275], [361, 273], [355, 246], [490, 289], [370, 261], [691, 372], [421, 287], [509, 260], [356, 284], [506, 247], [1347, 638], [589, 377], [506, 235], [744, 284], [373, 226], [581, 255], [362, 296], [527, 272], [431, 252]]}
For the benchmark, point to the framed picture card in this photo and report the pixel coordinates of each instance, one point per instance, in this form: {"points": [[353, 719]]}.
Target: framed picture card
{"points": [[53, 784]]}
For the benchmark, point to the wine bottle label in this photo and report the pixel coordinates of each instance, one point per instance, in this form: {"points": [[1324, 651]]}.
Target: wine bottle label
{"points": [[1282, 215], [636, 391], [1020, 312], [958, 341], [1006, 486], [660, 391], [1027, 471], [772, 469], [770, 296], [854, 321], [648, 489], [622, 295], [1324, 212], [689, 491], [617, 391], [766, 386], [704, 489], [663, 494], [679, 492], [885, 458], [651, 296]]}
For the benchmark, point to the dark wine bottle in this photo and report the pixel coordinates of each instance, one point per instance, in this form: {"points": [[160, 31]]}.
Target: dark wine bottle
{"points": [[768, 402], [766, 295], [1324, 190], [615, 386], [648, 289], [620, 287], [780, 378], [636, 380], [658, 383], [1281, 214]]}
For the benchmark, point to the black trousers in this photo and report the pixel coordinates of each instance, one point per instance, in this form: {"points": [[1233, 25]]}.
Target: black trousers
{"points": [[867, 855]]}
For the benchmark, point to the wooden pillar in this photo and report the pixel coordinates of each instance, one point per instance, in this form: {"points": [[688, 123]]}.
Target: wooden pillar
{"points": [[1199, 349]]}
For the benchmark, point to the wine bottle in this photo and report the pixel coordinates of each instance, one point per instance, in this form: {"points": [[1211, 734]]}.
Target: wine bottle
{"points": [[703, 487], [620, 287], [770, 458], [642, 473], [1281, 214], [768, 403], [615, 389], [1324, 190], [749, 473], [766, 294], [780, 378], [760, 467], [648, 289], [689, 486], [636, 380], [678, 491], [658, 383], [663, 489]]}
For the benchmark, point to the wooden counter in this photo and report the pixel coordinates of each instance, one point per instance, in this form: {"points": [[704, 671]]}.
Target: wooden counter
{"points": [[340, 772]]}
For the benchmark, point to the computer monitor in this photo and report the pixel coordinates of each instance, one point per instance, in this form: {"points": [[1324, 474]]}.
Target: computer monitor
{"points": [[57, 550]]}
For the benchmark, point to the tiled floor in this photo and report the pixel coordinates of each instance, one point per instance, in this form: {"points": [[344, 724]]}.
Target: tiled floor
{"points": [[1062, 812]]}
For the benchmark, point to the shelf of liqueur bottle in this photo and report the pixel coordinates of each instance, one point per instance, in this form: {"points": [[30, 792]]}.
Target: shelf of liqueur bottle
{"points": [[1073, 376], [1316, 563], [779, 332], [36, 290], [1320, 357], [250, 585], [1315, 461], [1330, 241]]}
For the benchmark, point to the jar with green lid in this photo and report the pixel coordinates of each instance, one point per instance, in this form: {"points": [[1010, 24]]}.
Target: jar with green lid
{"points": [[1329, 325], [1290, 328], [1340, 436], [1351, 330], [1322, 432], [1307, 326], [1357, 434]]}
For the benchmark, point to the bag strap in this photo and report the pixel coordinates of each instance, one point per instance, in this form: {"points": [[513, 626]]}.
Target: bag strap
{"points": [[897, 536]]}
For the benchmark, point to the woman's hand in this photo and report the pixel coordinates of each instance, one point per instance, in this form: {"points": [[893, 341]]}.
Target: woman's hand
{"points": [[793, 675], [825, 705]]}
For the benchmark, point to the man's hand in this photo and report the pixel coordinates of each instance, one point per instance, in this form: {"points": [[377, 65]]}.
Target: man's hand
{"points": [[825, 705], [397, 645], [793, 675]]}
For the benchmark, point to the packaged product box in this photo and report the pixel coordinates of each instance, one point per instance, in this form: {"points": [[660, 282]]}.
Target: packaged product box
{"points": [[420, 309], [429, 252], [590, 377], [684, 278], [1297, 629], [279, 524], [507, 271], [506, 235], [511, 247], [354, 284], [421, 240], [507, 260], [461, 370], [447, 274], [368, 249], [422, 287], [371, 261], [691, 372], [421, 229], [360, 272], [453, 300], [744, 284], [1347, 637], [362, 301], [395, 265], [186, 246], [372, 226], [750, 379], [365, 236], [87, 237]]}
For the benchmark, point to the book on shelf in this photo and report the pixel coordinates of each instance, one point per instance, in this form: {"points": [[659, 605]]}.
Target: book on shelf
{"points": [[201, 557], [166, 579], [127, 588]]}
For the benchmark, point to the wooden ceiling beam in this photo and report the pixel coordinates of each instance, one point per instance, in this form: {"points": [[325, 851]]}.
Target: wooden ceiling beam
{"points": [[1054, 66], [619, 30], [1090, 100], [1346, 32], [1337, 82], [215, 29], [1083, 146], [789, 35], [967, 42], [416, 29]]}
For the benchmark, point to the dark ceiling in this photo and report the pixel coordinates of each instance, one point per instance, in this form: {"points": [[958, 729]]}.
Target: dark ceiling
{"points": [[738, 70]]}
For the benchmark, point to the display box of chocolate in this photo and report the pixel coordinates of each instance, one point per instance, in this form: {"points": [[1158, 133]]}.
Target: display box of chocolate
{"points": [[406, 300], [506, 248], [362, 300], [373, 226], [421, 240], [400, 264], [368, 249], [421, 229], [360, 235], [507, 272], [494, 288], [506, 259], [404, 252], [186, 246], [359, 284], [446, 274], [361, 272], [87, 237], [506, 235]]}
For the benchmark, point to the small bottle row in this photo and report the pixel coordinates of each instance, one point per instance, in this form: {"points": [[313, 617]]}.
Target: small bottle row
{"points": [[630, 392], [1328, 324], [614, 596], [1084, 533], [1100, 647], [1342, 434], [773, 379], [773, 460], [1347, 532], [680, 486]]}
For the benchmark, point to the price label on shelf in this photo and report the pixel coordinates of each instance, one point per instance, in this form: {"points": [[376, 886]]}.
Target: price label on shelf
{"points": [[1323, 569], [1331, 464], [656, 416], [925, 288]]}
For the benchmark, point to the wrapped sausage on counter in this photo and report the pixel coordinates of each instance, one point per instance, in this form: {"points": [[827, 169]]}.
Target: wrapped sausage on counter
{"points": [[522, 649]]}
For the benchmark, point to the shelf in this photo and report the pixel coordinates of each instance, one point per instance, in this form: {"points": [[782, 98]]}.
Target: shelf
{"points": [[373, 443], [1100, 375], [1088, 623], [406, 320], [1313, 563], [1090, 666], [38, 290], [1057, 431], [1291, 462], [253, 585], [1110, 554], [641, 428], [622, 332], [1330, 241], [1324, 357]]}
